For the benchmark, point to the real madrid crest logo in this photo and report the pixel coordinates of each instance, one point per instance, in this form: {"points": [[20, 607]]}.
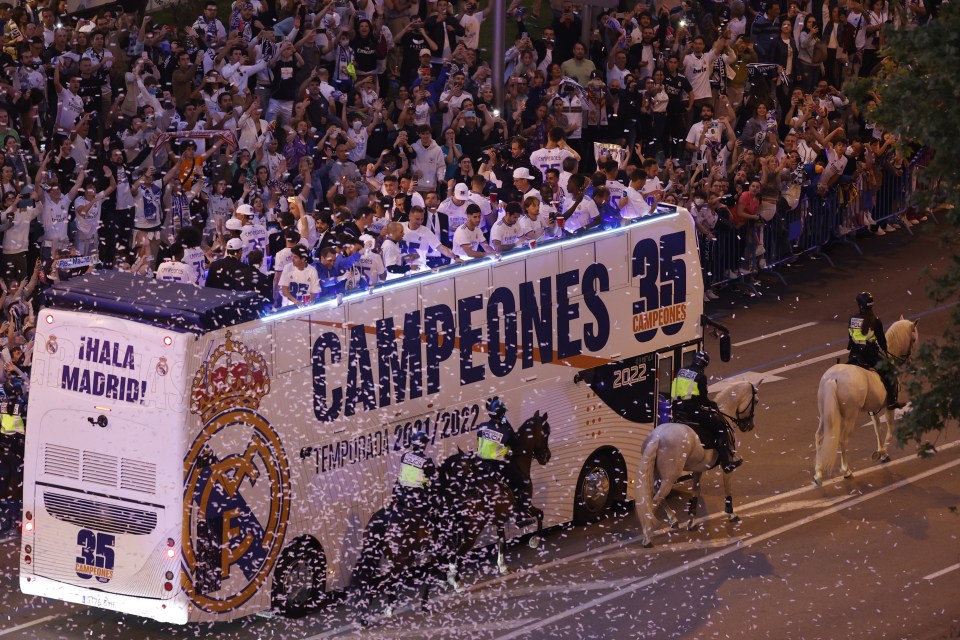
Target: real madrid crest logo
{"points": [[236, 483], [163, 367], [52, 345]]}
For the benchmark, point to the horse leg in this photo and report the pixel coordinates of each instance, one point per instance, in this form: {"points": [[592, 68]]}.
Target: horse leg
{"points": [[694, 500], [844, 469], [501, 551], [537, 537], [728, 498], [881, 452], [818, 441]]}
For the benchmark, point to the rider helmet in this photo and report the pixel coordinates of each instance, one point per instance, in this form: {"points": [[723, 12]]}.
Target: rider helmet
{"points": [[419, 440], [864, 300], [701, 359], [496, 408]]}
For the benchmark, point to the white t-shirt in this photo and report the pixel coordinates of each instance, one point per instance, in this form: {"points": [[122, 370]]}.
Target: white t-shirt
{"points": [[456, 215], [463, 236], [369, 268], [54, 216], [420, 241], [616, 189], [392, 256], [533, 229], [544, 159], [171, 271], [71, 109], [636, 205], [195, 257], [147, 206], [585, 212], [302, 282], [505, 234], [471, 24], [698, 72], [89, 223], [282, 259]]}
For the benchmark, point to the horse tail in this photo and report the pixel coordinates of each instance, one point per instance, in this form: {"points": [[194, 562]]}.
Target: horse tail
{"points": [[646, 478], [831, 424]]}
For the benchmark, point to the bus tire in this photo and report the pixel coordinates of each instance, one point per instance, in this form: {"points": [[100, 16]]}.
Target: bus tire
{"points": [[300, 579], [600, 487]]}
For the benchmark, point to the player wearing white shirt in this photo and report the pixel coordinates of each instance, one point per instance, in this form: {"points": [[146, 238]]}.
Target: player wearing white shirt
{"points": [[579, 211], [468, 240], [455, 210], [634, 204], [299, 282], [533, 224], [552, 155], [369, 267], [420, 240], [177, 271], [506, 234]]}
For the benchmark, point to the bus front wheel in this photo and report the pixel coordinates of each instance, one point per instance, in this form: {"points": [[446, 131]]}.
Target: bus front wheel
{"points": [[600, 487], [300, 579]]}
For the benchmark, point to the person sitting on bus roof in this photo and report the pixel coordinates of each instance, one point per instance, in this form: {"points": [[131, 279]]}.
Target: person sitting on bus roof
{"points": [[495, 440], [691, 406]]}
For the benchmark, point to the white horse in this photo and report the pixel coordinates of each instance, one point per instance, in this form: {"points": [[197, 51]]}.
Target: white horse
{"points": [[673, 449], [845, 391]]}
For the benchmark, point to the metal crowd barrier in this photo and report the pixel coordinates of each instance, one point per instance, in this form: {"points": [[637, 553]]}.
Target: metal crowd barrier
{"points": [[837, 217]]}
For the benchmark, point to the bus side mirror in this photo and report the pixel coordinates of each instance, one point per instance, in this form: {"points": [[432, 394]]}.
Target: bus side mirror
{"points": [[725, 347]]}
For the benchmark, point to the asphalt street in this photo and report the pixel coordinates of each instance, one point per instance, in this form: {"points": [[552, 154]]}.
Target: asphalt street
{"points": [[875, 556]]}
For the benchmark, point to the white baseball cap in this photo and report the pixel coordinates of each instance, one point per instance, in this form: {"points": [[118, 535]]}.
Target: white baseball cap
{"points": [[461, 191], [522, 172], [426, 52], [234, 244], [245, 210], [233, 225]]}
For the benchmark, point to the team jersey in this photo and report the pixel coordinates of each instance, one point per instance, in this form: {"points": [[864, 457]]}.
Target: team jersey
{"points": [[253, 236], [616, 189], [195, 257], [282, 259], [532, 229], [302, 282], [420, 241], [634, 205], [89, 223], [506, 234], [147, 206], [585, 213], [171, 271], [544, 159], [463, 236], [456, 216], [368, 270], [55, 216]]}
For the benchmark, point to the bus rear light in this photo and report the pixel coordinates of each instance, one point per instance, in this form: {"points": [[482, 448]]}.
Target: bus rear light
{"points": [[167, 340], [49, 319], [171, 553], [27, 548], [26, 559], [167, 586], [168, 575], [28, 526]]}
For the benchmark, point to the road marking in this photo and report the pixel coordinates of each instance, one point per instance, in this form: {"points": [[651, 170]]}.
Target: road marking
{"points": [[945, 571], [444, 631], [808, 361], [798, 505], [30, 624], [749, 542], [774, 334], [753, 377], [613, 546]]}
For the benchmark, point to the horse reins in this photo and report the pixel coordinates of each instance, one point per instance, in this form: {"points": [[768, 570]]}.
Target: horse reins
{"points": [[743, 421]]}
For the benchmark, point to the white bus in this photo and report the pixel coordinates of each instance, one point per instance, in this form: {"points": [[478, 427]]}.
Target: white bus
{"points": [[188, 460]]}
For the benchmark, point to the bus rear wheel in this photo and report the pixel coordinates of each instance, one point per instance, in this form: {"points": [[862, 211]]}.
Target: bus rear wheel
{"points": [[600, 487], [300, 579]]}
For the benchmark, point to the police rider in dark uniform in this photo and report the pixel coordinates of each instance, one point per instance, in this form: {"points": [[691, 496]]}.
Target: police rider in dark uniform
{"points": [[495, 441], [416, 470], [692, 406], [867, 344]]}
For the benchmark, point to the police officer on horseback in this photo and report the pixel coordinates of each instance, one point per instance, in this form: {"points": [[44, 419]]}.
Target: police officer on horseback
{"points": [[867, 344], [416, 470], [13, 411], [692, 406], [495, 440]]}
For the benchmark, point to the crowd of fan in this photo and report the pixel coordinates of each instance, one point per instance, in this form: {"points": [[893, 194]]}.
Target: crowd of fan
{"points": [[363, 136]]}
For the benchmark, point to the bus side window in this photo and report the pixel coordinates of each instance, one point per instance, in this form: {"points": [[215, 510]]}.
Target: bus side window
{"points": [[664, 381]]}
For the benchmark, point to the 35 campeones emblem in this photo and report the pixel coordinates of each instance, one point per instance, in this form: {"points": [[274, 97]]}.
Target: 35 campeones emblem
{"points": [[236, 483]]}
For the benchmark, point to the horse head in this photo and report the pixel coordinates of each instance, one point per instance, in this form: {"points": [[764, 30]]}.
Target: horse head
{"points": [[902, 337], [738, 405], [534, 437]]}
